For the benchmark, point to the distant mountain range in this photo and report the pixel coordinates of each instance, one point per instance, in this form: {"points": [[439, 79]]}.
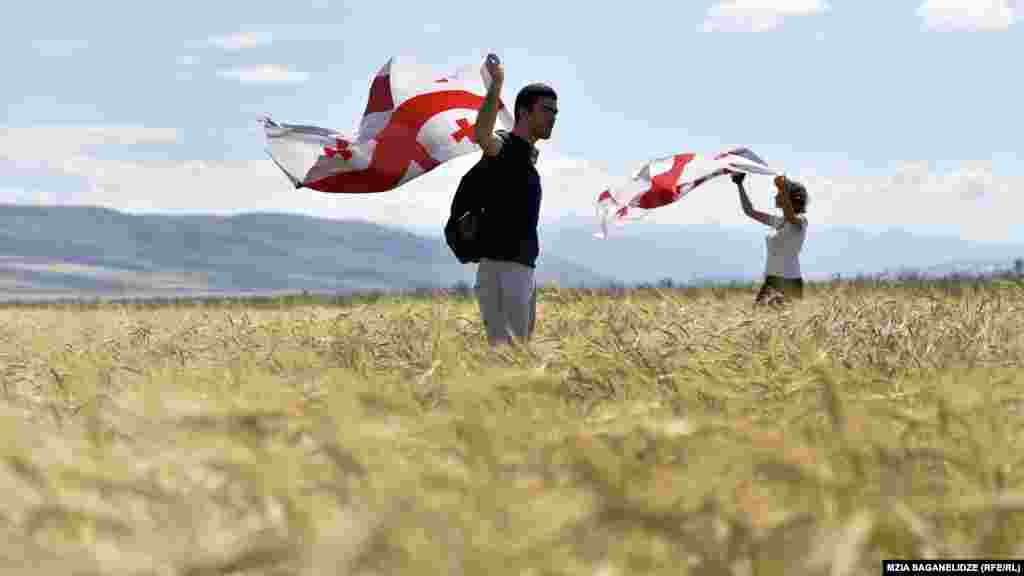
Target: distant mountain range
{"points": [[62, 251], [646, 252], [86, 250]]}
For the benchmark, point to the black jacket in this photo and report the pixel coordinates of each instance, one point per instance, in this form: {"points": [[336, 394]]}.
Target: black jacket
{"points": [[512, 205]]}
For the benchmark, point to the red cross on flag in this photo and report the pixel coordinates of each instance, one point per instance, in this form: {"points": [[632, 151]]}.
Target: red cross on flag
{"points": [[662, 181], [415, 120]]}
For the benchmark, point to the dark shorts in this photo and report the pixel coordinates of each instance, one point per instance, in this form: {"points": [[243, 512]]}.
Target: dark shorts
{"points": [[777, 288]]}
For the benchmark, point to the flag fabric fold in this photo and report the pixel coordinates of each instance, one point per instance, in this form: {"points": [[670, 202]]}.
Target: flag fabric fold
{"points": [[415, 120], [662, 181]]}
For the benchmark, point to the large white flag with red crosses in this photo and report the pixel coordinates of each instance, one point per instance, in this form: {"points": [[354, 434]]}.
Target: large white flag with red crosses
{"points": [[662, 181], [415, 120]]}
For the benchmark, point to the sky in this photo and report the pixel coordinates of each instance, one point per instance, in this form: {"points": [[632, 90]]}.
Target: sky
{"points": [[895, 114]]}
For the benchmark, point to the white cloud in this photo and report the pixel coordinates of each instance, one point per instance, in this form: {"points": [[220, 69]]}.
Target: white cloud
{"points": [[240, 40], [58, 48], [40, 146], [186, 63], [968, 15], [232, 187], [264, 74], [758, 15], [970, 200], [570, 184], [10, 195]]}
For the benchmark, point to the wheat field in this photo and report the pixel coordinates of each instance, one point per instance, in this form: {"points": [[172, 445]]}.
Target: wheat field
{"points": [[643, 431]]}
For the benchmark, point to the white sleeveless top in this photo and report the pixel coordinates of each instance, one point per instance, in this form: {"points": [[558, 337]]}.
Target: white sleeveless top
{"points": [[784, 245]]}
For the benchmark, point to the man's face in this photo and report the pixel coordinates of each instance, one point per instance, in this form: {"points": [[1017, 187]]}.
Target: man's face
{"points": [[541, 119]]}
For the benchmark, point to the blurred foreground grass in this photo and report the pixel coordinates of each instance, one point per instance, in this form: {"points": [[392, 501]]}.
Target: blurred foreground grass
{"points": [[642, 432]]}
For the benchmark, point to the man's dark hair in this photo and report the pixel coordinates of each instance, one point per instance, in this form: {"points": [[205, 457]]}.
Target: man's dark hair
{"points": [[530, 94]]}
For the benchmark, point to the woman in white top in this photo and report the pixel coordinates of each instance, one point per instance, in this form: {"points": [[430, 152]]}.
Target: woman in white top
{"points": [[782, 278]]}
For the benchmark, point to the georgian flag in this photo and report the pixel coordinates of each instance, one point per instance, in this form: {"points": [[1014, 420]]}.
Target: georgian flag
{"points": [[415, 120], [662, 181]]}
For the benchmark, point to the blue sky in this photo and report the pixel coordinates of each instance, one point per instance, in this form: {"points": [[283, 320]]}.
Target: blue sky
{"points": [[896, 114]]}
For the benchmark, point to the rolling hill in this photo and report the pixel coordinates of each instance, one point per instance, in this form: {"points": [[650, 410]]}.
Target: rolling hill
{"points": [[88, 250]]}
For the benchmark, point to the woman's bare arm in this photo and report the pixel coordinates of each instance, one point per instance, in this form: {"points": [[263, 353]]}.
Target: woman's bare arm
{"points": [[748, 208]]}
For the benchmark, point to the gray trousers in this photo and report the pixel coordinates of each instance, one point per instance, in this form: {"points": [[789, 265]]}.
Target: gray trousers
{"points": [[508, 300]]}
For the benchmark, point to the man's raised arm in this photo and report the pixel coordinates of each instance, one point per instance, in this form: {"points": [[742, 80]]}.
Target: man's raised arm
{"points": [[488, 114]]}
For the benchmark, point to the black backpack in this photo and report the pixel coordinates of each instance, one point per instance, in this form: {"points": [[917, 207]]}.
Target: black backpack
{"points": [[464, 230]]}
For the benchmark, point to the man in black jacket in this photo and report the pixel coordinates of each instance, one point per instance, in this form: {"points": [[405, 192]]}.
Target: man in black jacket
{"points": [[506, 288]]}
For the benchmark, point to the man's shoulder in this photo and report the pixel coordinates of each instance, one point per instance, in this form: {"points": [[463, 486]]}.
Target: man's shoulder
{"points": [[509, 137], [500, 139]]}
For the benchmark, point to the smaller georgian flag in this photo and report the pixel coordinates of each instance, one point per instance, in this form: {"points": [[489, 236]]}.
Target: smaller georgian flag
{"points": [[662, 181]]}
